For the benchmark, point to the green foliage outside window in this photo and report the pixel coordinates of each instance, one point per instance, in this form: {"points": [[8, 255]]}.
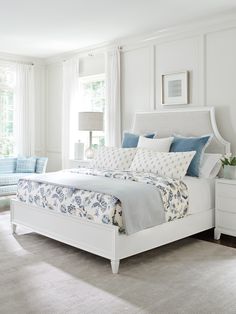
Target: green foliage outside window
{"points": [[93, 99]]}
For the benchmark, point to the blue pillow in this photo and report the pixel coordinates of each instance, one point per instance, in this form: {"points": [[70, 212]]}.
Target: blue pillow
{"points": [[131, 140], [41, 164], [186, 144], [7, 165], [25, 165]]}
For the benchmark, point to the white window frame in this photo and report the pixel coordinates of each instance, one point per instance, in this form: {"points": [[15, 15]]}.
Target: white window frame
{"points": [[88, 79]]}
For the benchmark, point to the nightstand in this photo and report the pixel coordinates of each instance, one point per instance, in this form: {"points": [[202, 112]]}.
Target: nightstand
{"points": [[225, 212], [80, 163]]}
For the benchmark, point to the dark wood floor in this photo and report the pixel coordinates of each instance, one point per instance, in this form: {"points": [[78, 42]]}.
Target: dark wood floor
{"points": [[209, 236]]}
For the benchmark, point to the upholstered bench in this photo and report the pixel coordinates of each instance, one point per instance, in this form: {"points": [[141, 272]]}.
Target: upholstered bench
{"points": [[12, 169]]}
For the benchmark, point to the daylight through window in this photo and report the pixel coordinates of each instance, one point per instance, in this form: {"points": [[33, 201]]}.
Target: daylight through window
{"points": [[92, 98], [7, 85]]}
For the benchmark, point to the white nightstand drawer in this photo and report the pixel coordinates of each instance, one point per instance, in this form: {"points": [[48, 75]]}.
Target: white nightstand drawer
{"points": [[226, 190], [226, 204], [225, 220]]}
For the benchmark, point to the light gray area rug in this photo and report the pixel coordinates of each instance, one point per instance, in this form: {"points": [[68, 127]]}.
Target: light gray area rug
{"points": [[40, 275]]}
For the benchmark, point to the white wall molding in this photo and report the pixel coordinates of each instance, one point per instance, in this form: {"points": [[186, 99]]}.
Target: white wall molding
{"points": [[18, 58], [152, 78], [202, 74], [201, 27]]}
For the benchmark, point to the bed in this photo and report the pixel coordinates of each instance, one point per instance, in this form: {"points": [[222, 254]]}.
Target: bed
{"points": [[106, 240]]}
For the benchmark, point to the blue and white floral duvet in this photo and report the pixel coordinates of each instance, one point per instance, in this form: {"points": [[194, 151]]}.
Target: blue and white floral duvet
{"points": [[98, 207]]}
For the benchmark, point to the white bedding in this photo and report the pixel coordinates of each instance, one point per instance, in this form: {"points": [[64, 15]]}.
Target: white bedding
{"points": [[201, 194]]}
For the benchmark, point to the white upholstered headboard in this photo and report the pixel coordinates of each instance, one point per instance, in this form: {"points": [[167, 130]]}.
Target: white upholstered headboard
{"points": [[187, 122]]}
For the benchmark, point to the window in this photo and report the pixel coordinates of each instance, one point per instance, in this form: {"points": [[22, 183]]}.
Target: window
{"points": [[7, 85], [92, 98]]}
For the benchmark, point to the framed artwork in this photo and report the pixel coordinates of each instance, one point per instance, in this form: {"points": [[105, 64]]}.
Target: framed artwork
{"points": [[175, 88]]}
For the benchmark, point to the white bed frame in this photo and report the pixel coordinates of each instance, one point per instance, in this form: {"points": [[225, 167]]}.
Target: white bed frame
{"points": [[105, 240]]}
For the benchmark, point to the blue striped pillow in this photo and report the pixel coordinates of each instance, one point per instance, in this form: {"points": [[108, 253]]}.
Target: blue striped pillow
{"points": [[26, 165], [41, 164], [7, 165]]}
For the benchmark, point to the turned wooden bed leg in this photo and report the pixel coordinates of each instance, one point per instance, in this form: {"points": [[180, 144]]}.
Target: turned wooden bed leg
{"points": [[13, 228], [115, 266], [217, 234]]}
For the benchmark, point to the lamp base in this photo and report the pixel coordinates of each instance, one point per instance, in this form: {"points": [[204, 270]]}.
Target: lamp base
{"points": [[89, 153]]}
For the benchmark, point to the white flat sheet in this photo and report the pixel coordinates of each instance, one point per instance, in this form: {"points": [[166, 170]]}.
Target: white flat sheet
{"points": [[201, 194]]}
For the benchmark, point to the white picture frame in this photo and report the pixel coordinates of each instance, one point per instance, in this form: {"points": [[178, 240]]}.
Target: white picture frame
{"points": [[175, 88]]}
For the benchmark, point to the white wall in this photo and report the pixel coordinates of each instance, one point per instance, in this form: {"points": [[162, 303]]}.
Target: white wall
{"points": [[208, 52], [136, 83], [210, 59], [221, 80], [174, 56]]}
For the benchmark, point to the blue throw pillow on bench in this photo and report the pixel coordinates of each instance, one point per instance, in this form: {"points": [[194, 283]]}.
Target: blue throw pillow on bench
{"points": [[25, 165], [7, 165], [186, 144], [130, 140], [41, 164]]}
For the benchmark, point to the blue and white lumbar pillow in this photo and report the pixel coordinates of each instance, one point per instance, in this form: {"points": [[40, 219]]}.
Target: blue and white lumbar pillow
{"points": [[26, 164], [113, 158], [169, 165]]}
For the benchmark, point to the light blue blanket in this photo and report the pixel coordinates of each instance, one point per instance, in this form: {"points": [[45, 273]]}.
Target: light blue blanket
{"points": [[142, 205]]}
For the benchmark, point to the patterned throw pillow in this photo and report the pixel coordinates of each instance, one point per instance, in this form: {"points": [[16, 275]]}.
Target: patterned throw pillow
{"points": [[112, 158], [26, 165], [171, 165]]}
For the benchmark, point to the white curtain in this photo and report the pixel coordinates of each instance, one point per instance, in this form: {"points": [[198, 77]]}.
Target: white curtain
{"points": [[69, 105], [113, 106], [24, 118]]}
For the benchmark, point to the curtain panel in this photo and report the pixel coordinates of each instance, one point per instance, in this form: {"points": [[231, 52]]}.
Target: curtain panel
{"points": [[69, 103], [113, 102], [24, 117]]}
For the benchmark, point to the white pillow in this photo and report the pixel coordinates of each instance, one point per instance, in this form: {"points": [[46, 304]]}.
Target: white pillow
{"points": [[172, 165], [210, 166], [158, 145], [111, 158]]}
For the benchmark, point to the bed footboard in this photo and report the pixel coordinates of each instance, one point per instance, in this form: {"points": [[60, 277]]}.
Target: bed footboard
{"points": [[105, 240], [86, 235]]}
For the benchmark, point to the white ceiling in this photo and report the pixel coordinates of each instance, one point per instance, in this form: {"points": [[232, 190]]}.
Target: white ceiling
{"points": [[42, 28]]}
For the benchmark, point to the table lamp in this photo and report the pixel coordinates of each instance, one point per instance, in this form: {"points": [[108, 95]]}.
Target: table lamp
{"points": [[90, 121]]}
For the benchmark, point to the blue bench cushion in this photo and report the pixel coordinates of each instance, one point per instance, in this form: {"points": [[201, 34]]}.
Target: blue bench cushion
{"points": [[11, 178], [26, 165], [7, 165], [8, 190]]}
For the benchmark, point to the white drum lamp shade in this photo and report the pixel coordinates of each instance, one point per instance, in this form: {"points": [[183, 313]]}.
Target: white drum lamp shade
{"points": [[90, 121]]}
